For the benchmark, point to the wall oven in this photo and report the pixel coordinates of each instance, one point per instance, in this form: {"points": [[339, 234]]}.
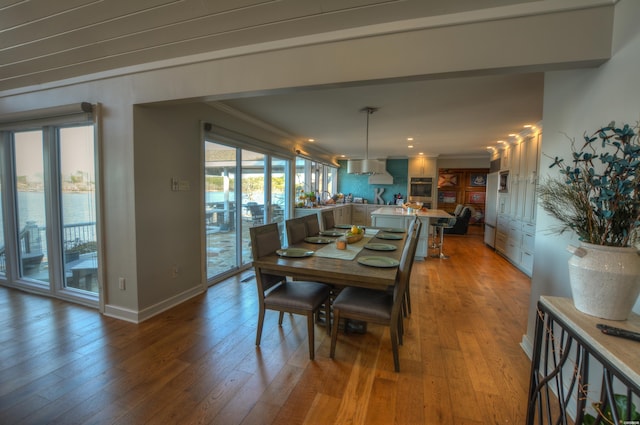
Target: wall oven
{"points": [[421, 189]]}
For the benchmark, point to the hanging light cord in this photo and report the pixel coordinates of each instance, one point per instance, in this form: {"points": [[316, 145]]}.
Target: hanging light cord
{"points": [[369, 110]]}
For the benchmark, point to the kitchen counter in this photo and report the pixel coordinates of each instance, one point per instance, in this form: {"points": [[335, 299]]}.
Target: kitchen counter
{"points": [[401, 212], [393, 216]]}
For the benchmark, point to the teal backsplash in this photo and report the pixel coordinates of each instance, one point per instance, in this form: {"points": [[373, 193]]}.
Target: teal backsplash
{"points": [[359, 185]]}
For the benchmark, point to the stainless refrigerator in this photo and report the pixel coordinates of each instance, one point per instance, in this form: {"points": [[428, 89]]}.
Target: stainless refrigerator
{"points": [[491, 209]]}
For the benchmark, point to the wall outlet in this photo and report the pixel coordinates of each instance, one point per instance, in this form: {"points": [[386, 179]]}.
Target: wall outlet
{"points": [[175, 270], [121, 284]]}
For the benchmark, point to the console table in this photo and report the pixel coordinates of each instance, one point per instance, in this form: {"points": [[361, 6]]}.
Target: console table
{"points": [[575, 366]]}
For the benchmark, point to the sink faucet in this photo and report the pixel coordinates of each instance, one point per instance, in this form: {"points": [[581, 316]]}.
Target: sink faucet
{"points": [[323, 200]]}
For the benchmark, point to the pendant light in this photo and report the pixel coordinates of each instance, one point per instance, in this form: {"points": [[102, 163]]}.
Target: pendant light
{"points": [[365, 166]]}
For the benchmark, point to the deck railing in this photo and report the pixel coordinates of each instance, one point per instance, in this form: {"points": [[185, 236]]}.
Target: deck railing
{"points": [[32, 237]]}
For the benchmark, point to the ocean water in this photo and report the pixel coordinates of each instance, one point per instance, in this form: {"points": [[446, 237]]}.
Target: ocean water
{"points": [[77, 207]]}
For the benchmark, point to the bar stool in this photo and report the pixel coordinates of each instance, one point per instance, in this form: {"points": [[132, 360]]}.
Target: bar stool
{"points": [[438, 227]]}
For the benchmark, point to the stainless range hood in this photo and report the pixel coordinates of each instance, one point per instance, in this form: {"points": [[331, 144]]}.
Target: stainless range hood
{"points": [[362, 166], [376, 169]]}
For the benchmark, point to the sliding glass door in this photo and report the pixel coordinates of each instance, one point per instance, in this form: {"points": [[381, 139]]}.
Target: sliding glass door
{"points": [[49, 221], [243, 188], [30, 207]]}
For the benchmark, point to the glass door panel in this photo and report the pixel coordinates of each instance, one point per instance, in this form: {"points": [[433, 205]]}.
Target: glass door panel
{"points": [[220, 208], [253, 166], [30, 186], [279, 205], [78, 205], [3, 252]]}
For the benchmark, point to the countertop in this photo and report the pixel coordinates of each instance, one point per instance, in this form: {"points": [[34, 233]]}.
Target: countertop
{"points": [[399, 211]]}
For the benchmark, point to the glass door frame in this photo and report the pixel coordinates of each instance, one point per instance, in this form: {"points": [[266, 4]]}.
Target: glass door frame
{"points": [[240, 145], [55, 287]]}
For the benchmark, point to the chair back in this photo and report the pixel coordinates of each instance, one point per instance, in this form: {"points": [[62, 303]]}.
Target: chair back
{"points": [[404, 270], [296, 230], [328, 220], [412, 227], [265, 240], [313, 225]]}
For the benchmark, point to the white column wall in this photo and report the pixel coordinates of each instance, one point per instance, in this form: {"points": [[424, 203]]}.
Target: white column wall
{"points": [[575, 102]]}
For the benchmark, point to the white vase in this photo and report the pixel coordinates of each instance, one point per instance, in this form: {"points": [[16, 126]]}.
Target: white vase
{"points": [[605, 280]]}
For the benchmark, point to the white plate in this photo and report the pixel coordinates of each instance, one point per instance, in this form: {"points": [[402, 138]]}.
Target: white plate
{"points": [[294, 252], [374, 261]]}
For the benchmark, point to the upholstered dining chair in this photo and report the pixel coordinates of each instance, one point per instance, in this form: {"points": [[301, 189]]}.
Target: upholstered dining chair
{"points": [[313, 225], [276, 293], [414, 227], [377, 306], [328, 220], [296, 230]]}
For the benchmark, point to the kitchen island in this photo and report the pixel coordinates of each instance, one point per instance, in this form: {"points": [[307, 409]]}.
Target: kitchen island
{"points": [[399, 217]]}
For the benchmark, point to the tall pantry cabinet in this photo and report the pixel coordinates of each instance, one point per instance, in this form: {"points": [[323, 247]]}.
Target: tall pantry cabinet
{"points": [[515, 230]]}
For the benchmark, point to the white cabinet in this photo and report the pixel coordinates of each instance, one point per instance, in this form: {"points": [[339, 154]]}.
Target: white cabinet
{"points": [[404, 222], [515, 233], [423, 167]]}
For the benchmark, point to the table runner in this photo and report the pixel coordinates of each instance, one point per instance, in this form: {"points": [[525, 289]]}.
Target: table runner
{"points": [[330, 251]]}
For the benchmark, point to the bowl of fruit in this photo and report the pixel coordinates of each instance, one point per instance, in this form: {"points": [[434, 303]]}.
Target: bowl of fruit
{"points": [[354, 234]]}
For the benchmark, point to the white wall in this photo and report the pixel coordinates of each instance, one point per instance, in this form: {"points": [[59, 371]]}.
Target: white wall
{"points": [[575, 102]]}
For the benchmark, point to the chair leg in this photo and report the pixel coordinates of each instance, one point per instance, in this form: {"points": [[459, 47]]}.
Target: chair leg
{"points": [[408, 299], [444, 257], [394, 347], [260, 323], [280, 318], [327, 316], [334, 332], [310, 327]]}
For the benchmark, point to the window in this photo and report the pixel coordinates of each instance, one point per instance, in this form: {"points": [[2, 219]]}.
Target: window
{"points": [[49, 240], [312, 176], [243, 188]]}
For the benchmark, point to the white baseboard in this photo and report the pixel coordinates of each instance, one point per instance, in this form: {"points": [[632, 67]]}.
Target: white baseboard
{"points": [[135, 316], [527, 346]]}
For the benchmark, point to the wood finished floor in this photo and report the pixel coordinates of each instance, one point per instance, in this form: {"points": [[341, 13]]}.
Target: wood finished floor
{"points": [[461, 362]]}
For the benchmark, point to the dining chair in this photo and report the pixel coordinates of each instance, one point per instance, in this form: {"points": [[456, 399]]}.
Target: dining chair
{"points": [[328, 220], [313, 225], [276, 293], [414, 227], [296, 229], [377, 306]]}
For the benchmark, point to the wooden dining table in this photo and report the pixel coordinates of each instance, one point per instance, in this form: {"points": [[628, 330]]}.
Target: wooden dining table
{"points": [[336, 271]]}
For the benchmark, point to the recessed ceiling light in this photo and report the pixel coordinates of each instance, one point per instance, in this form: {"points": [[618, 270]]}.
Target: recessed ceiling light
{"points": [[420, 153], [528, 126], [410, 146], [311, 140], [500, 141], [410, 138], [343, 156]]}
